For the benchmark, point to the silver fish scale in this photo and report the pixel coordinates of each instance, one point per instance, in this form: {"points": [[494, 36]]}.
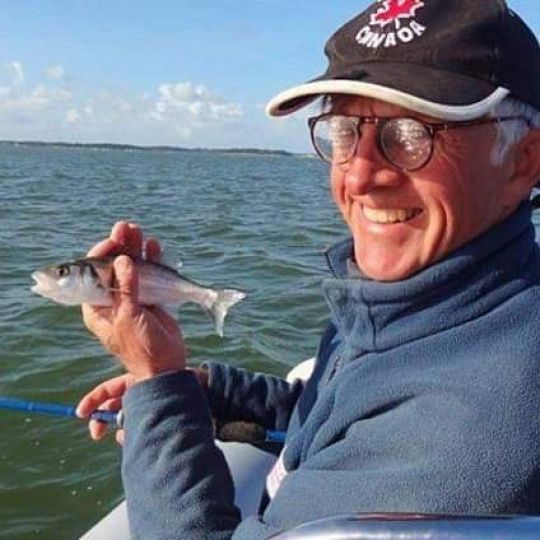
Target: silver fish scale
{"points": [[159, 284]]}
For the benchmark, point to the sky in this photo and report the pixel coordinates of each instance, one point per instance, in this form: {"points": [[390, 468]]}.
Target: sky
{"points": [[191, 73]]}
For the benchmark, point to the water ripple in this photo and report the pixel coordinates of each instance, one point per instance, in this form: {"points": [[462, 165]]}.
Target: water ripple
{"points": [[260, 224]]}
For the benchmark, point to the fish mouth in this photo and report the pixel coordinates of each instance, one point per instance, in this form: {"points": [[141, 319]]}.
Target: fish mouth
{"points": [[43, 283], [47, 287]]}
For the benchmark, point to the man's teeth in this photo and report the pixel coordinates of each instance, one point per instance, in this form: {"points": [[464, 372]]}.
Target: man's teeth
{"points": [[389, 215]]}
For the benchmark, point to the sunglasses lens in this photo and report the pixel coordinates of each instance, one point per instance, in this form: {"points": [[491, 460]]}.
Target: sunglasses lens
{"points": [[335, 137], [406, 142]]}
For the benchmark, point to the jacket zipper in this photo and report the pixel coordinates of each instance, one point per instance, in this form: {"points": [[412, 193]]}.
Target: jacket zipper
{"points": [[335, 367]]}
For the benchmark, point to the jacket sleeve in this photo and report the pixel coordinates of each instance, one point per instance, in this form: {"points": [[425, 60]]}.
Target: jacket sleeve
{"points": [[239, 395], [176, 480]]}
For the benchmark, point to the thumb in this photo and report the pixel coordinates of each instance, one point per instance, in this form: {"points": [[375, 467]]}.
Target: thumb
{"points": [[127, 279]]}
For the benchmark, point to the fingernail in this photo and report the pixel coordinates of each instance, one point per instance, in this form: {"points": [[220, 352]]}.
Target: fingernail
{"points": [[122, 263], [119, 224]]}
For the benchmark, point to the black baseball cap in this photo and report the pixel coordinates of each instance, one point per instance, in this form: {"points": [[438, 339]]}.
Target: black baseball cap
{"points": [[450, 59]]}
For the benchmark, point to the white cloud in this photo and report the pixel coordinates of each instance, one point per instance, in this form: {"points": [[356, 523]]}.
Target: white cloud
{"points": [[55, 72], [174, 113], [72, 116], [184, 92], [16, 72], [184, 102], [40, 98]]}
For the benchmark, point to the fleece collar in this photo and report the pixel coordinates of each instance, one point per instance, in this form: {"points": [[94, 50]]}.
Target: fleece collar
{"points": [[373, 316]]}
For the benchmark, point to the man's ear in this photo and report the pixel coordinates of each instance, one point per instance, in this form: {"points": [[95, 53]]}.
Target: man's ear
{"points": [[526, 167]]}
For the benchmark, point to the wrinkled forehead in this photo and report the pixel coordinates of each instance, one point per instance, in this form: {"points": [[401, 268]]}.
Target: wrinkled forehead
{"points": [[366, 106]]}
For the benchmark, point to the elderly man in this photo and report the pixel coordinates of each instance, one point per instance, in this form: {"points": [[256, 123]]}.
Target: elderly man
{"points": [[425, 393]]}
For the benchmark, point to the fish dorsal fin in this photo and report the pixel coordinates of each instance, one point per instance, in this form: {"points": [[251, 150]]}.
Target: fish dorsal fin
{"points": [[169, 259]]}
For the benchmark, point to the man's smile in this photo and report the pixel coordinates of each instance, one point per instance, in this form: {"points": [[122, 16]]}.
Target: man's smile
{"points": [[389, 215]]}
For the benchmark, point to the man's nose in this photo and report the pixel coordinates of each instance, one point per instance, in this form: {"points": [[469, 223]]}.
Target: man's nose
{"points": [[369, 169]]}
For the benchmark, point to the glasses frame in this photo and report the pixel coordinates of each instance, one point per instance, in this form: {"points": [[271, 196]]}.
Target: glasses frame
{"points": [[381, 121]]}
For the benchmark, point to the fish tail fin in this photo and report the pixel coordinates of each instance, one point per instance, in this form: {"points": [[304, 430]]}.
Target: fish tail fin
{"points": [[224, 300]]}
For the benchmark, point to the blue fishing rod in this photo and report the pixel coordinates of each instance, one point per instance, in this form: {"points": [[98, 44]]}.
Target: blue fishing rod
{"points": [[232, 431], [53, 409]]}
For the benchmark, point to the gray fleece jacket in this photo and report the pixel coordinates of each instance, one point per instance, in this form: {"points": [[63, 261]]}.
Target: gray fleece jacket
{"points": [[425, 398]]}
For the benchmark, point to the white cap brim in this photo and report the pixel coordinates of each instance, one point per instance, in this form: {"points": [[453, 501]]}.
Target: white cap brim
{"points": [[298, 97]]}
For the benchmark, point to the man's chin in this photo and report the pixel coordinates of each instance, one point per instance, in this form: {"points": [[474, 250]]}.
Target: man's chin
{"points": [[388, 269]]}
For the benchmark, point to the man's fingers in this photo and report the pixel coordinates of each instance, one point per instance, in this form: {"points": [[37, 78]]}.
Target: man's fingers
{"points": [[120, 435], [126, 276], [115, 244], [98, 429], [105, 248], [129, 236], [127, 280], [126, 238], [153, 250], [106, 396], [120, 233], [101, 394], [135, 239]]}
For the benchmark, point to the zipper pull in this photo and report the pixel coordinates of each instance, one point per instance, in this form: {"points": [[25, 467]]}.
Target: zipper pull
{"points": [[335, 367]]}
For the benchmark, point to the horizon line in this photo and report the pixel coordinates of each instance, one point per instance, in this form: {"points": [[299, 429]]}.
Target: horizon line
{"points": [[171, 148]]}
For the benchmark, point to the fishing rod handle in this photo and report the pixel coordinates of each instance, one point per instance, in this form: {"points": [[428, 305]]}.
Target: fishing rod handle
{"points": [[108, 417]]}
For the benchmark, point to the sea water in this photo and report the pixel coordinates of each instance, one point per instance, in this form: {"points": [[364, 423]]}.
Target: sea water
{"points": [[259, 223]]}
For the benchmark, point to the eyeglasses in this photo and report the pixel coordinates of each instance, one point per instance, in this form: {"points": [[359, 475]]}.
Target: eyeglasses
{"points": [[407, 143]]}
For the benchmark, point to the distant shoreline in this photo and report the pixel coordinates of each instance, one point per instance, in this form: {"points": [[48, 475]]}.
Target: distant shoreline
{"points": [[113, 146]]}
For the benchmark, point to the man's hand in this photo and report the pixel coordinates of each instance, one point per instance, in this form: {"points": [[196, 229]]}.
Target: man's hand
{"points": [[146, 339], [106, 396]]}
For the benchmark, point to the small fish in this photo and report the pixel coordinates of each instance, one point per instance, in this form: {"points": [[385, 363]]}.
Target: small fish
{"points": [[91, 281]]}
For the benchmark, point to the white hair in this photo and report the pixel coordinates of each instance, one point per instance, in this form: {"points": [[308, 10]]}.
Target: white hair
{"points": [[511, 133]]}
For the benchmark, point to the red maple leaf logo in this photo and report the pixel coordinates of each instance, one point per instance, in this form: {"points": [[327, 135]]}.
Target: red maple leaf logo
{"points": [[393, 10]]}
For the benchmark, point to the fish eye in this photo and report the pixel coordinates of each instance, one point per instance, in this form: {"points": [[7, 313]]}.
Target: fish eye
{"points": [[63, 271]]}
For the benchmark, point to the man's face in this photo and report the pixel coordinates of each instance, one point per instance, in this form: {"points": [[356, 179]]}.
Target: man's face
{"points": [[455, 197]]}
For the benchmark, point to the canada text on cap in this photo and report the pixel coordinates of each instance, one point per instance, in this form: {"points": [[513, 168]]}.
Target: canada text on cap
{"points": [[453, 60]]}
